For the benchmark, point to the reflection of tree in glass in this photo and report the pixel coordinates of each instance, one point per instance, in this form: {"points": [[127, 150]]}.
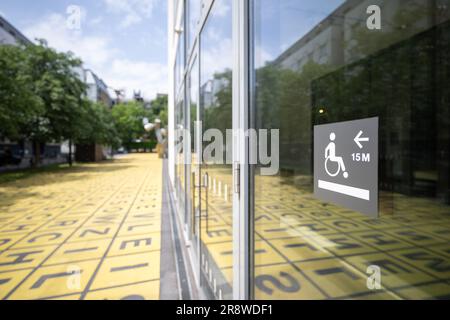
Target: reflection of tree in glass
{"points": [[283, 99], [218, 115]]}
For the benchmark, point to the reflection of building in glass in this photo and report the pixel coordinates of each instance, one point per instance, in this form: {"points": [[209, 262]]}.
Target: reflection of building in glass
{"points": [[393, 93], [378, 80], [343, 37], [97, 92], [210, 89]]}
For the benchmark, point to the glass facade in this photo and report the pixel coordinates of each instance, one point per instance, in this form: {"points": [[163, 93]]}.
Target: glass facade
{"points": [[319, 63], [312, 63], [194, 11]]}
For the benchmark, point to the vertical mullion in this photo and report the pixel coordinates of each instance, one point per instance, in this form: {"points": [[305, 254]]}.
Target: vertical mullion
{"points": [[242, 246], [251, 125]]}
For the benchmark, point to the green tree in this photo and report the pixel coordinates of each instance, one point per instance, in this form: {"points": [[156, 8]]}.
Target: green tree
{"points": [[159, 105], [56, 83], [41, 94], [19, 105], [96, 125], [128, 121]]}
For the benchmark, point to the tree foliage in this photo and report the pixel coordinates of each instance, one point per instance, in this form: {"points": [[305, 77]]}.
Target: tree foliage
{"points": [[19, 105], [159, 108], [96, 125], [55, 82], [128, 119], [43, 99]]}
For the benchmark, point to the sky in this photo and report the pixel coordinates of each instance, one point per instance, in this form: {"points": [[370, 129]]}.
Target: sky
{"points": [[123, 41], [280, 24]]}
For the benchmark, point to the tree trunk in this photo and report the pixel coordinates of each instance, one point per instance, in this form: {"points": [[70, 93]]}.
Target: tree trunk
{"points": [[70, 152], [37, 154]]}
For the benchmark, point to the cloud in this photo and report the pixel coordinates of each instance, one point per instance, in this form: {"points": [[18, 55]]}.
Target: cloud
{"points": [[217, 57], [221, 8], [262, 57], [99, 53], [134, 11], [96, 21], [94, 50], [150, 78]]}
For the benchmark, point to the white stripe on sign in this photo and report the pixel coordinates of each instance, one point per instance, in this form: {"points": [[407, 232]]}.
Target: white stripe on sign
{"points": [[343, 189]]}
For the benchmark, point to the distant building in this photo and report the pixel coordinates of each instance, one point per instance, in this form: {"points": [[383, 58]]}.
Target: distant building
{"points": [[138, 96], [10, 35], [97, 91]]}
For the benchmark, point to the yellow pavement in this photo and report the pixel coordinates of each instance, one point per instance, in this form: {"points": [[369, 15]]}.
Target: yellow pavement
{"points": [[306, 249], [91, 232]]}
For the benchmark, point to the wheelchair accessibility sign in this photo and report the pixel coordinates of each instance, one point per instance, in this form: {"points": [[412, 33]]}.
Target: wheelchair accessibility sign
{"points": [[346, 164]]}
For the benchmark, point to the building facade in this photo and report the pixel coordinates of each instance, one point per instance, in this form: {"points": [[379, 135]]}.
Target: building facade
{"points": [[293, 69], [10, 35], [97, 91]]}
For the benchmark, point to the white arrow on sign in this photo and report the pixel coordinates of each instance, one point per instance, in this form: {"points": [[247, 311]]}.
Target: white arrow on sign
{"points": [[358, 139]]}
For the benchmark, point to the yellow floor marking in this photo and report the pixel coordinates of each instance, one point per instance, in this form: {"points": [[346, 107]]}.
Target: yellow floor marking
{"points": [[56, 281], [136, 244], [142, 291], [95, 226], [8, 280], [425, 291], [16, 259], [123, 270], [78, 251], [44, 238], [283, 282]]}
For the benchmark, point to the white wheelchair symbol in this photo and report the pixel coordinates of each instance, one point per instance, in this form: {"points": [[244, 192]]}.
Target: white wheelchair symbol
{"points": [[330, 156]]}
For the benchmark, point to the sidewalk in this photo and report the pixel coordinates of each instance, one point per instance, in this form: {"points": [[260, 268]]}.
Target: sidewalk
{"points": [[91, 232]]}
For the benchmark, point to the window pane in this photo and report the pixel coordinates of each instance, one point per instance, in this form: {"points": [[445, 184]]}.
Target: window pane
{"points": [[317, 63], [216, 54], [194, 16]]}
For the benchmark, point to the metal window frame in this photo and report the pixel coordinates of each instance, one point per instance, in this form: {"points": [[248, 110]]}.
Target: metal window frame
{"points": [[243, 231], [242, 221], [194, 61]]}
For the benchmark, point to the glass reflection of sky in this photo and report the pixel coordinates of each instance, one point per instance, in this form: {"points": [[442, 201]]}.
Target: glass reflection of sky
{"points": [[216, 41], [282, 23]]}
